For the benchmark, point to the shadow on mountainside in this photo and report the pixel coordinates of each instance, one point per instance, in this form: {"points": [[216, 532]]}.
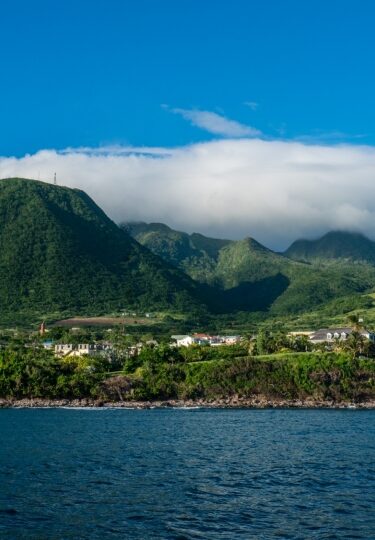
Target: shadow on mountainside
{"points": [[248, 296]]}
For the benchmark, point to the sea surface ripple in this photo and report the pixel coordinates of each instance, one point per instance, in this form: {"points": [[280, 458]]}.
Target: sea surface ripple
{"points": [[187, 474]]}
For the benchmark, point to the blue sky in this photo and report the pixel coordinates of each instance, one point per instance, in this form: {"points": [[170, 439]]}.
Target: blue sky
{"points": [[91, 73]]}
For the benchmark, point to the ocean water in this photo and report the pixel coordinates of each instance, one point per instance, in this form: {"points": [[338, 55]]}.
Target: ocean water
{"points": [[187, 474]]}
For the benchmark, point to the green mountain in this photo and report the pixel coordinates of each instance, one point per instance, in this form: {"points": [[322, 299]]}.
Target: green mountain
{"points": [[244, 275], [336, 246], [194, 253], [60, 252], [215, 262]]}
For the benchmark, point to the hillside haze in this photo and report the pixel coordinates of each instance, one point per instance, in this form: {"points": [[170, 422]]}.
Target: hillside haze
{"points": [[59, 251]]}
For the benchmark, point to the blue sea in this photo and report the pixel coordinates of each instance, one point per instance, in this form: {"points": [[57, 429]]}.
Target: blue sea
{"points": [[187, 474]]}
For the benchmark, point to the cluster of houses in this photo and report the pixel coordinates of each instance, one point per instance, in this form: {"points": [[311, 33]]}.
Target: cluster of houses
{"points": [[81, 349], [204, 339], [323, 335], [330, 335], [90, 349]]}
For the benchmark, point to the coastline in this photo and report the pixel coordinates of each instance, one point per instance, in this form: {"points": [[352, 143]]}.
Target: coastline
{"points": [[234, 402]]}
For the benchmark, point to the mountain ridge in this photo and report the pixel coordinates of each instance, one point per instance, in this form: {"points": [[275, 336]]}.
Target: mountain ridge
{"points": [[59, 252], [283, 284], [334, 246]]}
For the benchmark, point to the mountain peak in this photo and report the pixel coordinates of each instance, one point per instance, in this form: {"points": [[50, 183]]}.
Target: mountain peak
{"points": [[334, 245], [60, 251]]}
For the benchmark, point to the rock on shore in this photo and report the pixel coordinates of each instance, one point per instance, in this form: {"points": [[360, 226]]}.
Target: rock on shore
{"points": [[255, 402]]}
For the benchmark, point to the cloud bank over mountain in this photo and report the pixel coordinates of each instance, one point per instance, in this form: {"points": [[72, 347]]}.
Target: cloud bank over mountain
{"points": [[275, 191]]}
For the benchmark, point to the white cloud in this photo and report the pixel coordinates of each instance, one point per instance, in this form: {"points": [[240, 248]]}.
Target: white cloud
{"points": [[118, 150], [275, 191], [216, 124], [318, 136]]}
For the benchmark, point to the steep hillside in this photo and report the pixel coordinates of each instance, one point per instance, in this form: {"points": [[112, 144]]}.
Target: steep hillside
{"points": [[244, 275], [334, 246], [194, 253], [213, 261], [59, 251]]}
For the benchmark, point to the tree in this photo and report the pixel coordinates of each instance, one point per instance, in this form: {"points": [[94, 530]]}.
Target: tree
{"points": [[338, 344], [280, 341], [117, 387], [263, 342], [355, 322], [355, 344]]}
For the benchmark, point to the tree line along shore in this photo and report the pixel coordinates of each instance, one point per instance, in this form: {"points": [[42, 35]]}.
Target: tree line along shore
{"points": [[266, 371]]}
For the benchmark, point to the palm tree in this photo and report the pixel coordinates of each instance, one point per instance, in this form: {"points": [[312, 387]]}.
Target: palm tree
{"points": [[355, 344], [355, 322], [338, 344]]}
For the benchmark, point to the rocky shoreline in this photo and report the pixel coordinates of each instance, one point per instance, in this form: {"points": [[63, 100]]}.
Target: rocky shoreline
{"points": [[233, 402]]}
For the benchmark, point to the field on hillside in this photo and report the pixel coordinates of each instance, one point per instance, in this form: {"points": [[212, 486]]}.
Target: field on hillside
{"points": [[104, 321]]}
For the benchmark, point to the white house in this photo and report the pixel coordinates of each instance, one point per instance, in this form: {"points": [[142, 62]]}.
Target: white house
{"points": [[63, 349], [231, 340], [183, 341], [205, 339], [69, 349], [342, 334]]}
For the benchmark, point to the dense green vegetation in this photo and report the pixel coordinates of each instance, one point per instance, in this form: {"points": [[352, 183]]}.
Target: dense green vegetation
{"points": [[246, 276], [61, 256], [195, 254], [60, 253], [37, 373], [171, 374], [321, 376]]}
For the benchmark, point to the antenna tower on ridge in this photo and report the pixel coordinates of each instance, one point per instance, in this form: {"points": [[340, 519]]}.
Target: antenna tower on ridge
{"points": [[54, 179]]}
